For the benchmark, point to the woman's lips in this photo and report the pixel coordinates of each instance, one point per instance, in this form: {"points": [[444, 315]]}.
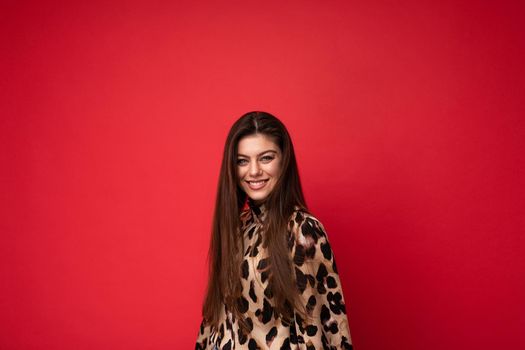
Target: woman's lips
{"points": [[257, 185]]}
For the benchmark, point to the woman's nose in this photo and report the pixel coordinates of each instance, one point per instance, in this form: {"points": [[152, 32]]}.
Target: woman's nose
{"points": [[255, 169]]}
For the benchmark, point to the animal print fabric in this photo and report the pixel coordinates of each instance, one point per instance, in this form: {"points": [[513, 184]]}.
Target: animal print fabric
{"points": [[316, 278]]}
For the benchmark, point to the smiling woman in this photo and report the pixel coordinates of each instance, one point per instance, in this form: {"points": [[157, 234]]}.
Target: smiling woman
{"points": [[263, 238]]}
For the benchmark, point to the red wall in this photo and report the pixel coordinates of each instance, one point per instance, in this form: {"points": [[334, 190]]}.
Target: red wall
{"points": [[407, 118]]}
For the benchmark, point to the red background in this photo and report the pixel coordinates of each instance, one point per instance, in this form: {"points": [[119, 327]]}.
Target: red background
{"points": [[407, 118]]}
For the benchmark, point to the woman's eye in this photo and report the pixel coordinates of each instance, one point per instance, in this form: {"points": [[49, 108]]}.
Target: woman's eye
{"points": [[265, 159]]}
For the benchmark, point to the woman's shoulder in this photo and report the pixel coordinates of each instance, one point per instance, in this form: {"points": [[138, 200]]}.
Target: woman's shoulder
{"points": [[308, 240], [303, 221], [301, 213]]}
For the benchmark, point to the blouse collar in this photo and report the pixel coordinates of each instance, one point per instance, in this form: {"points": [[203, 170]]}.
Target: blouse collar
{"points": [[258, 209]]}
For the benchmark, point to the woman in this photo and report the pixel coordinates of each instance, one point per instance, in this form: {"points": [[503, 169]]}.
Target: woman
{"points": [[273, 282]]}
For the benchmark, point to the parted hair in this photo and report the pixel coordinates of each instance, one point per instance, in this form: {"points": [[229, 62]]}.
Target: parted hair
{"points": [[226, 245]]}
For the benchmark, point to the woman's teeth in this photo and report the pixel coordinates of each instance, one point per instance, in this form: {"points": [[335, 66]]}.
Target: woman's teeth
{"points": [[257, 185]]}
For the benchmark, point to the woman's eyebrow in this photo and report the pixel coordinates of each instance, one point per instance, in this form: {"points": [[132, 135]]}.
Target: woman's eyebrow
{"points": [[270, 150]]}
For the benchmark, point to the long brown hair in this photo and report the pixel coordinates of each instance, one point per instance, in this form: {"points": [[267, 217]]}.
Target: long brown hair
{"points": [[226, 246]]}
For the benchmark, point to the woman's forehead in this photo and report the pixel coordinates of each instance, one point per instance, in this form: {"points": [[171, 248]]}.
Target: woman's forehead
{"points": [[255, 145]]}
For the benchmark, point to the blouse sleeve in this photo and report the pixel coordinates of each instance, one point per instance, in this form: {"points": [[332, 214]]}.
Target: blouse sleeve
{"points": [[203, 338], [319, 285]]}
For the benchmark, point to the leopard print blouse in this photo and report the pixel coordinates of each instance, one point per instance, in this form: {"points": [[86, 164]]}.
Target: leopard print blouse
{"points": [[316, 278]]}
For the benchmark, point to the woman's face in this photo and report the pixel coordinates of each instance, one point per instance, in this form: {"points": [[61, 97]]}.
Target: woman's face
{"points": [[258, 166]]}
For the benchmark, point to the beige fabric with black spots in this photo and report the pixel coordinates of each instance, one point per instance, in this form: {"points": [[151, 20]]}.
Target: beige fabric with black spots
{"points": [[316, 278]]}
